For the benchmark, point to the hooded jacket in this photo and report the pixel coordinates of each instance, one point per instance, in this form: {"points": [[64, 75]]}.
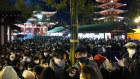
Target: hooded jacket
{"points": [[8, 73]]}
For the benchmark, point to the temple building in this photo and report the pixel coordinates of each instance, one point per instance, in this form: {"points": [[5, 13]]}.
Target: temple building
{"points": [[110, 10], [35, 26], [8, 16]]}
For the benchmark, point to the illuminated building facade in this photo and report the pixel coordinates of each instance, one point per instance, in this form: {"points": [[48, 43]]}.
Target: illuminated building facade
{"points": [[34, 26]]}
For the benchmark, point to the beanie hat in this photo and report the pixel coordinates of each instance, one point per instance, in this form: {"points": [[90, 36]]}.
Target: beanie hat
{"points": [[99, 59], [8, 73]]}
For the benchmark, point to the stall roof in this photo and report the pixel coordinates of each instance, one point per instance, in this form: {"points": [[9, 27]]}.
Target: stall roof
{"points": [[96, 28], [56, 29]]}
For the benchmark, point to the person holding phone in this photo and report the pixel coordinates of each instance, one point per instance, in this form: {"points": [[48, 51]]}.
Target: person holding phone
{"points": [[82, 60], [130, 63]]}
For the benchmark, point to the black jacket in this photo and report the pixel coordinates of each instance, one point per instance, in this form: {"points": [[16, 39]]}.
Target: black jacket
{"points": [[54, 72], [47, 73], [89, 63], [131, 69]]}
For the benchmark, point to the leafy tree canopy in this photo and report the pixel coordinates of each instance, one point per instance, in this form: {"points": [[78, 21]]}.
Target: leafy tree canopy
{"points": [[22, 6], [85, 10]]}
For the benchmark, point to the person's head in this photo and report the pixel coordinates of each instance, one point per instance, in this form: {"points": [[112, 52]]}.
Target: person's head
{"points": [[88, 72], [99, 59], [30, 67], [12, 57], [40, 56], [37, 70], [131, 51], [59, 57], [7, 55], [21, 67], [2, 55], [81, 54], [45, 63], [90, 57], [36, 60], [26, 57], [46, 53], [131, 47]]}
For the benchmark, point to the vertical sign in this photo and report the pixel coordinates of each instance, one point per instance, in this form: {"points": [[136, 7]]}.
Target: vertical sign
{"points": [[8, 33]]}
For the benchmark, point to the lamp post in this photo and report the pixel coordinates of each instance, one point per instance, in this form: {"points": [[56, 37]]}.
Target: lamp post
{"points": [[137, 20], [74, 30]]}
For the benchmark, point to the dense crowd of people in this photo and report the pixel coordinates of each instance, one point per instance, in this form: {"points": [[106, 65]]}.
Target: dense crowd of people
{"points": [[47, 57]]}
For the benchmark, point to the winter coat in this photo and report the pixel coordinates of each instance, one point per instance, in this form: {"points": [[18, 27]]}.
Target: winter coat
{"points": [[8, 73], [53, 72], [131, 69], [89, 63]]}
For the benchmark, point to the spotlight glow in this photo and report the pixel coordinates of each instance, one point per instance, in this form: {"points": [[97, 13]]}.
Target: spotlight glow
{"points": [[39, 16]]}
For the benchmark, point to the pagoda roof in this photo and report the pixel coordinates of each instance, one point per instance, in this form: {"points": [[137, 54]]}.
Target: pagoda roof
{"points": [[111, 11], [48, 14], [104, 1], [32, 19], [116, 17], [111, 5]]}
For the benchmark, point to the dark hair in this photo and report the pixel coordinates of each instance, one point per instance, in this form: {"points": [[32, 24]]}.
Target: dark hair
{"points": [[81, 49], [89, 72], [35, 58], [26, 55], [30, 65], [59, 53], [89, 55], [17, 70], [47, 50], [38, 69], [45, 61]]}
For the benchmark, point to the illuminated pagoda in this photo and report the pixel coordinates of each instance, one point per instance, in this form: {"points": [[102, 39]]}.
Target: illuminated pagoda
{"points": [[110, 8], [37, 26]]}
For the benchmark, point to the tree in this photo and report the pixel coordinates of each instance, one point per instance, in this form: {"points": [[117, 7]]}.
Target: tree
{"points": [[85, 10], [22, 6], [110, 18], [138, 2], [132, 13]]}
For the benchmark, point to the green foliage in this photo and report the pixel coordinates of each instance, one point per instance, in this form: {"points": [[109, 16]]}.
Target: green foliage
{"points": [[100, 21], [85, 9], [58, 5], [6, 6], [53, 18], [26, 11], [110, 18], [138, 2], [38, 8]]}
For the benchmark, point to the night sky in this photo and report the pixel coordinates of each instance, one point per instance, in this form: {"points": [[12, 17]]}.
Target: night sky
{"points": [[131, 7]]}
